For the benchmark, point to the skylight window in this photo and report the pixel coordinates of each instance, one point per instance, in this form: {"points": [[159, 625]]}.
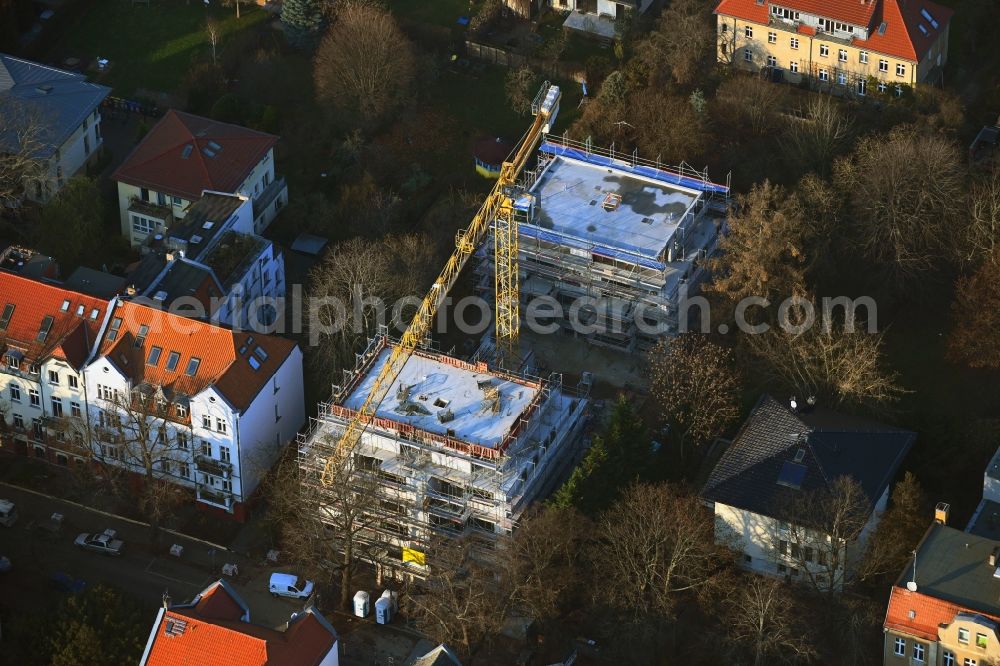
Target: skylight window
{"points": [[186, 153], [930, 19], [8, 312], [192, 366], [173, 358], [254, 363], [259, 351], [65, 306], [140, 338], [94, 313], [195, 239], [792, 474], [43, 330], [154, 355], [208, 152], [214, 146], [923, 29], [881, 28], [80, 309], [116, 324]]}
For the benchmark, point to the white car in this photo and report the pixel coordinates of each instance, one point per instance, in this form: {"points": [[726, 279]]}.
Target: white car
{"points": [[290, 585], [101, 543]]}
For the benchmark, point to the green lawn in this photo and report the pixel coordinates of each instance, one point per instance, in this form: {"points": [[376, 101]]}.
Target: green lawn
{"points": [[149, 46], [438, 12]]}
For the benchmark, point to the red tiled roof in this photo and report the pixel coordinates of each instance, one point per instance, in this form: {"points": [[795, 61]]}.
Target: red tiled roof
{"points": [[158, 162], [928, 613], [70, 337], [184, 636], [903, 37], [218, 349]]}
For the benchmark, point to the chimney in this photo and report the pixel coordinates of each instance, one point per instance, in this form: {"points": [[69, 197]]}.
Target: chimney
{"points": [[166, 600], [169, 256], [993, 557], [130, 290], [941, 512]]}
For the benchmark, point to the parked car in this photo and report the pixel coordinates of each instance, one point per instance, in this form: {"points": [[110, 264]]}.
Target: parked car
{"points": [[66, 583], [5, 564], [290, 585], [101, 543], [8, 513]]}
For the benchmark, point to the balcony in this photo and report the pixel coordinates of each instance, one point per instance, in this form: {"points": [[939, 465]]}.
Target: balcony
{"points": [[212, 466], [267, 197], [216, 497]]}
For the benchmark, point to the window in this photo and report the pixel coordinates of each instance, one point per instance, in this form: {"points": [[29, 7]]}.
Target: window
{"points": [[192, 366], [824, 75], [883, 65], [795, 551], [182, 440], [772, 61], [969, 661], [142, 225], [783, 547], [206, 421], [787, 14], [794, 43], [772, 38], [842, 78], [882, 87], [900, 647], [224, 454], [161, 199], [182, 411], [154, 355], [74, 409], [53, 377], [72, 380], [824, 50], [220, 424], [725, 28], [863, 57], [793, 66], [227, 485], [748, 31], [105, 392], [918, 651], [842, 55], [748, 55], [18, 421], [64, 307], [206, 448], [8, 312], [34, 398], [981, 640], [900, 69], [949, 658], [808, 554], [57, 409], [44, 328], [34, 369], [93, 314], [185, 470], [173, 358], [177, 201], [116, 324], [15, 393], [140, 336], [963, 636]]}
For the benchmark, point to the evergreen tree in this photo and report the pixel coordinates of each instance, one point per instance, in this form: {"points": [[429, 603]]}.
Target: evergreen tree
{"points": [[304, 21]]}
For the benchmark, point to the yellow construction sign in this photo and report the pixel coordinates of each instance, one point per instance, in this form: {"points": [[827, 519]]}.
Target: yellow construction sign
{"points": [[410, 555]]}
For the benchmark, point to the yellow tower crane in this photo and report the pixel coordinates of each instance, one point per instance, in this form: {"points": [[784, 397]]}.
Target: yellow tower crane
{"points": [[498, 210]]}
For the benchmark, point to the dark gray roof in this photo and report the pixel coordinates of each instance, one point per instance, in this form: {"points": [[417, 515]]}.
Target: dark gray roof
{"points": [[204, 219], [59, 98], [986, 521], [95, 283], [440, 655], [833, 445], [954, 566]]}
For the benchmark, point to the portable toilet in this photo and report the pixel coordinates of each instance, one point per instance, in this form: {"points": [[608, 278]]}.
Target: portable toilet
{"points": [[393, 598], [383, 610], [361, 606]]}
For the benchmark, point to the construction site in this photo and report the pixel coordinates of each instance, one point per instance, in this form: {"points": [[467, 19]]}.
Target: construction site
{"points": [[630, 234], [446, 447], [455, 449]]}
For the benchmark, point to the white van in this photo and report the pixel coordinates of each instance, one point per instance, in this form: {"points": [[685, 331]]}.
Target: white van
{"points": [[8, 513], [290, 585]]}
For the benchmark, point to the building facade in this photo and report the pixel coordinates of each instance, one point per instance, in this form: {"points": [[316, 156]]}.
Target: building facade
{"points": [[184, 155], [455, 449], [64, 106], [853, 48]]}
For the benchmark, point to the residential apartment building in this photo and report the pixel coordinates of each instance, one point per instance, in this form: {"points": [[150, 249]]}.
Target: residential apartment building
{"points": [[985, 521], [226, 402], [944, 609], [87, 381], [455, 449], [64, 107], [766, 490], [184, 155], [211, 265], [215, 628], [48, 335], [848, 46], [612, 242]]}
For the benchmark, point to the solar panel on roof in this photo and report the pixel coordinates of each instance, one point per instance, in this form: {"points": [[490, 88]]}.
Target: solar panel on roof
{"points": [[791, 475]]}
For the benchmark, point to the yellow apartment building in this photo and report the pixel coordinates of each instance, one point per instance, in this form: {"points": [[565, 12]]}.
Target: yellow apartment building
{"points": [[846, 46]]}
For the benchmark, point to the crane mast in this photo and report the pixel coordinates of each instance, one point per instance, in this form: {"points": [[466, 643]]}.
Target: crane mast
{"points": [[497, 210]]}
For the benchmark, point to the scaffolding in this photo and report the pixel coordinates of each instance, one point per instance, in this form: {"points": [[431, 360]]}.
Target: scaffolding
{"points": [[437, 483], [625, 280]]}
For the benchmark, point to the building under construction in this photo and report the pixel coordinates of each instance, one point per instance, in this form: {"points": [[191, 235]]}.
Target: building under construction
{"points": [[633, 235], [455, 448]]}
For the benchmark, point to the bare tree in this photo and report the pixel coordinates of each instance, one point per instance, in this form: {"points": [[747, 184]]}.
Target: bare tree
{"points": [[654, 544], [764, 253], [236, 4], [815, 139], [824, 527], [681, 44], [898, 532], [764, 624], [22, 141], [365, 65], [520, 87], [751, 103], [982, 236], [696, 387], [841, 367], [905, 191], [212, 30], [975, 338]]}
